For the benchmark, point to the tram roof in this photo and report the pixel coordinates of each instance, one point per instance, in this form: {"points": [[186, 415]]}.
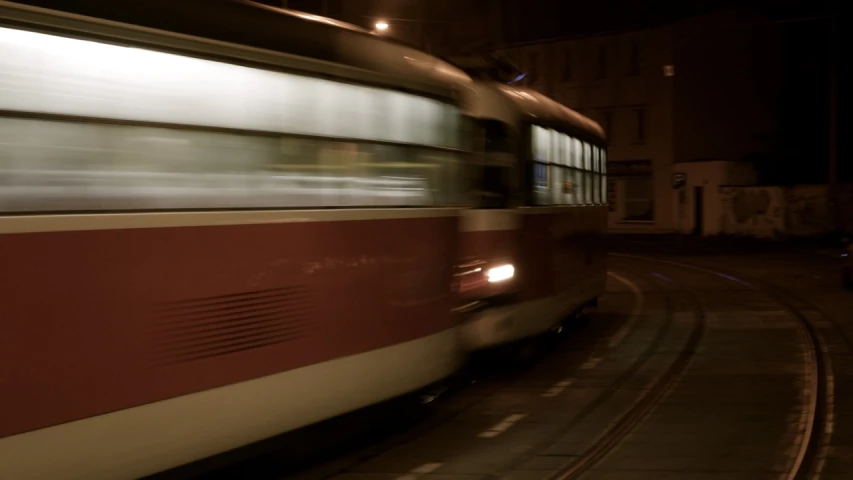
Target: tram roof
{"points": [[533, 107]]}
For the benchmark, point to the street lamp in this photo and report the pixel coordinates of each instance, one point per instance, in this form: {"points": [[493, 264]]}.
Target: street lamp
{"points": [[381, 26]]}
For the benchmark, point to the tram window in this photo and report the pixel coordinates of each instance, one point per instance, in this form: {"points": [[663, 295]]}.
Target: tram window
{"points": [[540, 174], [577, 153], [541, 143], [596, 185], [596, 181], [73, 77], [579, 187], [66, 166], [440, 173], [573, 184], [557, 180], [596, 188], [596, 159], [565, 150], [541, 193]]}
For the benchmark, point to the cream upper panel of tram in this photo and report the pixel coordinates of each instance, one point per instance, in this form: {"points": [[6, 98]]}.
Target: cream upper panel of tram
{"points": [[534, 105], [511, 105], [49, 74], [486, 101]]}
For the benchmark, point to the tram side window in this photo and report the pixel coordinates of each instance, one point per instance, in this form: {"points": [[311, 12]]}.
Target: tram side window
{"points": [[305, 141], [65, 166], [568, 185], [585, 175], [562, 177], [566, 170], [577, 166], [541, 146], [556, 168], [604, 197], [596, 175]]}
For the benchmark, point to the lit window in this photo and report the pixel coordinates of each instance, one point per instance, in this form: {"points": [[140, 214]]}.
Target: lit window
{"points": [[541, 144]]}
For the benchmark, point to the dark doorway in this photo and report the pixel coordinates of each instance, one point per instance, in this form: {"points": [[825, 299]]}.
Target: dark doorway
{"points": [[698, 210]]}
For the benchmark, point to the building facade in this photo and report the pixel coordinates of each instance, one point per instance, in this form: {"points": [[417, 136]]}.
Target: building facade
{"points": [[700, 91]]}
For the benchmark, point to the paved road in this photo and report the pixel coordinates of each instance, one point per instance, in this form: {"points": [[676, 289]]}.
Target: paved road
{"points": [[680, 373]]}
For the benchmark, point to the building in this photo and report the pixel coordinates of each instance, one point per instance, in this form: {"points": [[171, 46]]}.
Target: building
{"points": [[685, 105]]}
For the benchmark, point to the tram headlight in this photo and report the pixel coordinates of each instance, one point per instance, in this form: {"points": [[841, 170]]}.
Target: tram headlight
{"points": [[501, 273]]}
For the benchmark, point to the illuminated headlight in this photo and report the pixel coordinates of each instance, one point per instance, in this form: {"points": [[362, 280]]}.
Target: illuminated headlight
{"points": [[501, 273]]}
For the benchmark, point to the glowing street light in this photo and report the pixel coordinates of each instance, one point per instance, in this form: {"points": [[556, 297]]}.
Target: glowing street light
{"points": [[381, 26]]}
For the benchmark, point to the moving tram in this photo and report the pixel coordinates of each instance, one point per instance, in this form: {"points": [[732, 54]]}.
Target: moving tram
{"points": [[532, 248], [206, 244]]}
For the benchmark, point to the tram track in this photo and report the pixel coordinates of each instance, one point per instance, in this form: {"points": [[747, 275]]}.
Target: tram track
{"points": [[818, 429], [642, 407], [623, 379]]}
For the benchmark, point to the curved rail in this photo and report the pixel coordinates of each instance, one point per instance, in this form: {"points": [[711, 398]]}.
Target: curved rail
{"points": [[642, 407], [807, 462]]}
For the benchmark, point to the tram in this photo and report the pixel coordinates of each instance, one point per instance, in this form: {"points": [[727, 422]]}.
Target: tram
{"points": [[207, 242], [532, 246]]}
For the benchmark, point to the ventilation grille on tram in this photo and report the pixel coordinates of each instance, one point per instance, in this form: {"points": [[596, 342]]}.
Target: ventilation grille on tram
{"points": [[213, 326]]}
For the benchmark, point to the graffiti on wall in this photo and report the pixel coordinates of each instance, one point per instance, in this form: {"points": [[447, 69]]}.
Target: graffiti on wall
{"points": [[753, 211], [749, 205], [808, 210], [801, 210]]}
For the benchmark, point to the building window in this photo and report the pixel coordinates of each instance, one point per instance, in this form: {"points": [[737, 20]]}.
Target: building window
{"points": [[568, 66], [608, 127], [602, 62], [638, 199], [634, 67], [641, 126], [532, 66]]}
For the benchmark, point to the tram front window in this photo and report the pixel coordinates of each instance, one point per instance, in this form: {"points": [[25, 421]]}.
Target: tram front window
{"points": [[494, 190]]}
